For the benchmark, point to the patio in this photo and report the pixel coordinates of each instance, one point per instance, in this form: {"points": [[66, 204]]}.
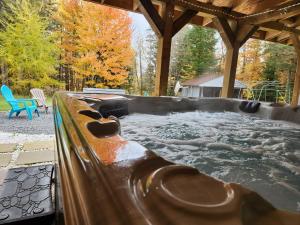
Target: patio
{"points": [[24, 142]]}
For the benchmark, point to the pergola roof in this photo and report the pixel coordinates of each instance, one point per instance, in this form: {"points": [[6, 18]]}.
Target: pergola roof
{"points": [[235, 20], [212, 81], [275, 19]]}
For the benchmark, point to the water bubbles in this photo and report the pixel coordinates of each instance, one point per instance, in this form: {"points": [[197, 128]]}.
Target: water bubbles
{"points": [[263, 155]]}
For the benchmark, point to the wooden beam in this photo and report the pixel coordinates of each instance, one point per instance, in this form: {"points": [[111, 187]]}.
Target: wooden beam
{"points": [[206, 21], [244, 33], [196, 20], [233, 40], [225, 31], [221, 12], [152, 16], [272, 34], [164, 51], [280, 27], [296, 90], [183, 20], [283, 36], [259, 34], [206, 8], [291, 22], [278, 13]]}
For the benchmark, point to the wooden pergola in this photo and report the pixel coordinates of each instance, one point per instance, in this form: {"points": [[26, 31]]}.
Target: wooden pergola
{"points": [[236, 21]]}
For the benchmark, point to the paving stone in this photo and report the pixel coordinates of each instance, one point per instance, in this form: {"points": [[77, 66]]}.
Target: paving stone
{"points": [[23, 193], [35, 157], [39, 145], [11, 174], [38, 210], [33, 170], [3, 216], [17, 212], [45, 203], [22, 177], [29, 204], [29, 183], [40, 195], [40, 175], [7, 148], [49, 168], [26, 207], [9, 189], [44, 181], [13, 201], [6, 204], [5, 159], [30, 209], [24, 200]]}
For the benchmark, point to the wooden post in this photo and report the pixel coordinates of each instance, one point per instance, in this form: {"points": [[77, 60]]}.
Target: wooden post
{"points": [[164, 51], [165, 28], [231, 60], [234, 37], [296, 90]]}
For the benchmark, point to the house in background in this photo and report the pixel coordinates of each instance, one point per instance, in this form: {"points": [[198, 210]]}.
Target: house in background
{"points": [[208, 86]]}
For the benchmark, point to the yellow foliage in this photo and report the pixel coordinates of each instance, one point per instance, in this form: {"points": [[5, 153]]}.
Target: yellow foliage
{"points": [[250, 65], [97, 42]]}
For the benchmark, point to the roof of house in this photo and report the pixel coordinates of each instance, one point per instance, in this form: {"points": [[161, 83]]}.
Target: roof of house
{"points": [[211, 81]]}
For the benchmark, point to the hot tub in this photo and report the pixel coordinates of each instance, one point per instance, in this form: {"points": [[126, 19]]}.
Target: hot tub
{"points": [[104, 178]]}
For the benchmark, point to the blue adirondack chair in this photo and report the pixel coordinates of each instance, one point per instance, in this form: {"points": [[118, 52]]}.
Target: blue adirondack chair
{"points": [[18, 105]]}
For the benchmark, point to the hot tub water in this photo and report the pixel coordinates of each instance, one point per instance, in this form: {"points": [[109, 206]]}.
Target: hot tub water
{"points": [[263, 155]]}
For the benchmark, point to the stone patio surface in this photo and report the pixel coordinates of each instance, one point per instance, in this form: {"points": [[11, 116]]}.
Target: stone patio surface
{"points": [[26, 143], [5, 159], [38, 145], [7, 148], [32, 157]]}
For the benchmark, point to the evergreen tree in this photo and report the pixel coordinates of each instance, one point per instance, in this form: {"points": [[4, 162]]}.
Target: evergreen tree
{"points": [[280, 65], [199, 52], [26, 47], [280, 60]]}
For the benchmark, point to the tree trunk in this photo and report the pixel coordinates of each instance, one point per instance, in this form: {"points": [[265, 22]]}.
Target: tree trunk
{"points": [[67, 83], [141, 70], [83, 84], [71, 80]]}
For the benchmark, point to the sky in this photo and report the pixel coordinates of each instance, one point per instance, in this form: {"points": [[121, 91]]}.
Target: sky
{"points": [[139, 26]]}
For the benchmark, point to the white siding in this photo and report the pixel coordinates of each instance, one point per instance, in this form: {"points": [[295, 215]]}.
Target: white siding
{"points": [[191, 91]]}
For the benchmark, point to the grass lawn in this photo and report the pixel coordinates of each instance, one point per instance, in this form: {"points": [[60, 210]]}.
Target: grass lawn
{"points": [[4, 106]]}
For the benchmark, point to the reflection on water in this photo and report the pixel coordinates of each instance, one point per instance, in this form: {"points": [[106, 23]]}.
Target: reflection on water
{"points": [[262, 155]]}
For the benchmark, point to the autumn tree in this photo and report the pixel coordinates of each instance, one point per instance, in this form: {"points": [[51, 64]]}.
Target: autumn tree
{"points": [[97, 44], [250, 65], [151, 55], [68, 17]]}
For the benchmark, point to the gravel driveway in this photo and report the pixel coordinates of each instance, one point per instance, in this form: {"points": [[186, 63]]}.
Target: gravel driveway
{"points": [[38, 125]]}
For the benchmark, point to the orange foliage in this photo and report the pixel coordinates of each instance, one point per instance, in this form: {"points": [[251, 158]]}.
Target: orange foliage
{"points": [[97, 40], [68, 16], [250, 63]]}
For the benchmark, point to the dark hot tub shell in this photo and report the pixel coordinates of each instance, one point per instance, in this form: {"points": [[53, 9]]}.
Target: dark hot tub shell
{"points": [[104, 179]]}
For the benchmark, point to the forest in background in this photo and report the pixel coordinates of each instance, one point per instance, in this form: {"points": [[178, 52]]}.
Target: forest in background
{"points": [[71, 44]]}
